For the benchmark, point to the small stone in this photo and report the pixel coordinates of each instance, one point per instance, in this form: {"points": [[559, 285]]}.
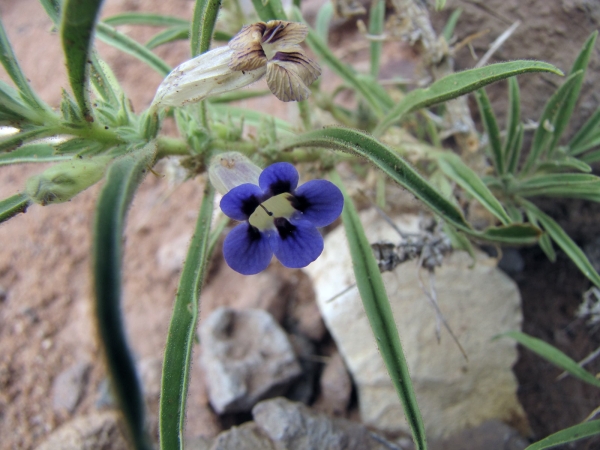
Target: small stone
{"points": [[246, 357], [68, 387], [247, 436], [302, 390], [99, 431], [335, 387], [294, 426], [303, 315], [490, 435]]}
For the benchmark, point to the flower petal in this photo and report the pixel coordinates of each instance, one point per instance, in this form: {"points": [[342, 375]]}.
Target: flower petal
{"points": [[248, 34], [296, 243], [203, 76], [246, 250], [319, 201], [290, 73], [284, 33], [240, 202], [250, 57], [278, 178]]}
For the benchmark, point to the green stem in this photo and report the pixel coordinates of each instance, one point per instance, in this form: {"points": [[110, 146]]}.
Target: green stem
{"points": [[167, 146], [305, 115]]}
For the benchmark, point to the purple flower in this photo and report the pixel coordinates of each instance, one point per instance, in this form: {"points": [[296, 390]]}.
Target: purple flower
{"points": [[278, 219]]}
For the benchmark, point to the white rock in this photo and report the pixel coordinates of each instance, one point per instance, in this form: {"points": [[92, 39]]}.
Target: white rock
{"points": [[478, 302], [246, 356]]}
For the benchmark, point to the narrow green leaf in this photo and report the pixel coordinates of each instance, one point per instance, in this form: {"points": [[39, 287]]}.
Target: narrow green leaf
{"points": [[182, 331], [458, 84], [567, 163], [16, 140], [493, 132], [591, 157], [455, 169], [376, 23], [514, 120], [592, 141], [564, 114], [560, 184], [143, 18], [235, 96], [451, 24], [394, 166], [323, 20], [13, 69], [588, 129], [567, 435], [12, 104], [32, 153], [439, 4], [109, 35], [379, 312], [514, 234], [553, 355], [251, 117], [203, 25], [77, 29], [561, 238], [104, 81], [52, 8], [269, 10], [514, 152], [514, 212], [545, 241], [123, 178], [344, 71], [11, 206], [176, 33], [547, 125]]}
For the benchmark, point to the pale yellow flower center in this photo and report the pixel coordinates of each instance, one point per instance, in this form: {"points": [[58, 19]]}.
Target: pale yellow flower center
{"points": [[265, 214]]}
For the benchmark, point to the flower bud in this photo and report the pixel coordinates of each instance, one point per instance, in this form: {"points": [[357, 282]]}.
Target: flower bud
{"points": [[232, 169], [62, 182]]}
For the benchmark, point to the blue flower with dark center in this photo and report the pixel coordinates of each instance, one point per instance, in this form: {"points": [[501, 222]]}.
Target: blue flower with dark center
{"points": [[279, 219]]}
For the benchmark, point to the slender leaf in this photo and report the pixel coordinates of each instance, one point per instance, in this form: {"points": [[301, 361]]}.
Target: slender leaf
{"points": [[269, 10], [344, 71], [376, 23], [561, 238], [493, 132], [567, 163], [182, 331], [545, 241], [564, 114], [379, 312], [143, 18], [78, 20], [235, 96], [12, 104], [516, 147], [109, 35], [512, 128], [11, 65], [590, 128], [11, 206], [439, 4], [16, 140], [451, 24], [553, 355], [458, 84], [560, 184], [250, 116], [176, 33], [591, 157], [394, 166], [567, 435], [32, 153], [591, 142], [123, 178], [104, 81], [52, 8], [455, 169], [547, 125], [323, 21], [514, 234], [203, 25]]}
